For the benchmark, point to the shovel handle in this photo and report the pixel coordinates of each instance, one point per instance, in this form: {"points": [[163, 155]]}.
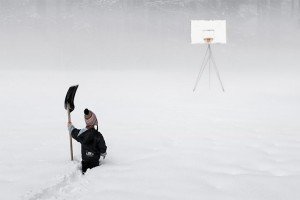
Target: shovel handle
{"points": [[71, 144], [69, 113], [71, 148]]}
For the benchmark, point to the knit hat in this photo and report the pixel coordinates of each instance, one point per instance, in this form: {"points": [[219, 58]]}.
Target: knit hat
{"points": [[90, 118]]}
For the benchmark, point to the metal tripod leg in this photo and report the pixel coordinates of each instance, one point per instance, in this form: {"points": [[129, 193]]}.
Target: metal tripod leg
{"points": [[209, 66], [215, 66], [204, 63]]}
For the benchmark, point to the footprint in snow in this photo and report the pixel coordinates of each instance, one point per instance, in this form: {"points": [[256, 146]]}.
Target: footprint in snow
{"points": [[64, 187]]}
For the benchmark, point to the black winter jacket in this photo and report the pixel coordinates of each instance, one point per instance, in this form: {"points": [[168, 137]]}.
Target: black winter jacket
{"points": [[92, 143]]}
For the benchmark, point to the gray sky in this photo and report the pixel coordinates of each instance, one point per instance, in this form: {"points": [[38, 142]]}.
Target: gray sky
{"points": [[103, 34]]}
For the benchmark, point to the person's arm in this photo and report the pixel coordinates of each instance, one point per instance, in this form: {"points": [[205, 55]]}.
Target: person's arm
{"points": [[75, 133], [102, 145]]}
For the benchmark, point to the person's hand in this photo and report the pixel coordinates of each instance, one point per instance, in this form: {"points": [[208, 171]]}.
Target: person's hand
{"points": [[69, 124], [103, 155]]}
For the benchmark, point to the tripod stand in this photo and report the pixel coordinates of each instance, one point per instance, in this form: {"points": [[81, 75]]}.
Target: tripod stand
{"points": [[208, 60]]}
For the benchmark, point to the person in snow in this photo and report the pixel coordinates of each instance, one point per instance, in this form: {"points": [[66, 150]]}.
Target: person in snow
{"points": [[92, 142]]}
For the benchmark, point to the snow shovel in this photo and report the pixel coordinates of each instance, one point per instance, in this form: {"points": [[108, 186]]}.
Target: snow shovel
{"points": [[69, 106]]}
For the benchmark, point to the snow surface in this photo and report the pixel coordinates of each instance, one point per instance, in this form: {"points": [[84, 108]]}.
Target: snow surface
{"points": [[164, 141], [137, 75]]}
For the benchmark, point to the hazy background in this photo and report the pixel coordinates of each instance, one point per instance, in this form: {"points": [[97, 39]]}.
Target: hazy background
{"points": [[136, 69], [263, 35]]}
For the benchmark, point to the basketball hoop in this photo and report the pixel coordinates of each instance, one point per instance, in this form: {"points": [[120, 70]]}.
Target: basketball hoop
{"points": [[208, 32]]}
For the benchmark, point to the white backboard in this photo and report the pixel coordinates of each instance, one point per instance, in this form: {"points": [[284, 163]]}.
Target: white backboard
{"points": [[215, 29]]}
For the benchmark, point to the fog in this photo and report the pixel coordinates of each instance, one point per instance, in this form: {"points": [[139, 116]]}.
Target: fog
{"points": [[136, 34], [136, 69]]}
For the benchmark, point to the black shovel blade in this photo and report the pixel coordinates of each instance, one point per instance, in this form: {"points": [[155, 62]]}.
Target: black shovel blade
{"points": [[69, 100]]}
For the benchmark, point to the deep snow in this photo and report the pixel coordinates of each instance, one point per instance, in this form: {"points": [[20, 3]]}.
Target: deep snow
{"points": [[136, 69], [164, 141]]}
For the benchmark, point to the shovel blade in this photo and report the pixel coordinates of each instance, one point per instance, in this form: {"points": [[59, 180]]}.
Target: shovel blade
{"points": [[69, 100]]}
